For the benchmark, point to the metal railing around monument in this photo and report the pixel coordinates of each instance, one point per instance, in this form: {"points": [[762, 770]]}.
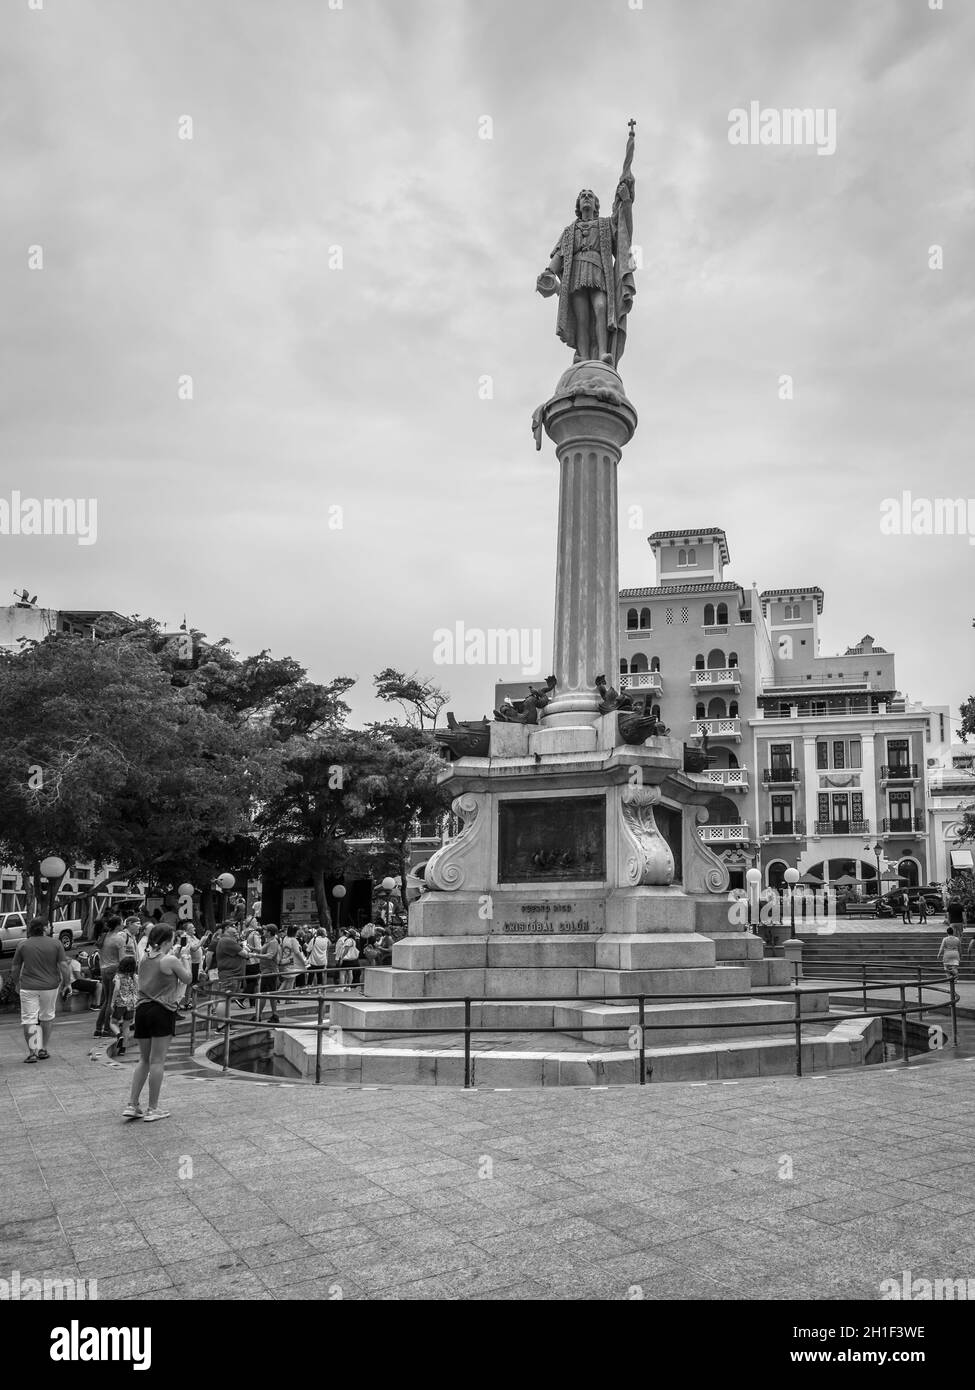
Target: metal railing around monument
{"points": [[219, 998]]}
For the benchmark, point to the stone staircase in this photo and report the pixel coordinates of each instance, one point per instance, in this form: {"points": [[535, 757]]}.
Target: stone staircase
{"points": [[893, 950], [584, 989]]}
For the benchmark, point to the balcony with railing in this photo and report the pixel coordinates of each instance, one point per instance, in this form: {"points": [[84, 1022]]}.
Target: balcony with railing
{"points": [[734, 834], [842, 827], [732, 779], [642, 680], [898, 772], [864, 706], [726, 677], [785, 829], [904, 825], [717, 728], [634, 632], [776, 776]]}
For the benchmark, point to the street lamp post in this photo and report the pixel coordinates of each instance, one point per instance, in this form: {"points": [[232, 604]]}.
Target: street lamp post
{"points": [[54, 870], [877, 850], [388, 884], [792, 878], [753, 878], [224, 882], [338, 893]]}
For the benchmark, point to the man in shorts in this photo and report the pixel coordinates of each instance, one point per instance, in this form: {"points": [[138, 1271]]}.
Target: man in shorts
{"points": [[40, 969]]}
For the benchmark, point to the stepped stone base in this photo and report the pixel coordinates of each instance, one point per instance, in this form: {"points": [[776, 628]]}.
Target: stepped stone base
{"points": [[440, 1062]]}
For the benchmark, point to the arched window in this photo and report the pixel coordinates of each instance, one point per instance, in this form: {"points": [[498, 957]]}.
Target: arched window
{"points": [[692, 556], [907, 869], [699, 662], [722, 612], [656, 712], [717, 708], [632, 620], [639, 662], [732, 760], [699, 710], [708, 614], [623, 666], [733, 709], [723, 811], [655, 663], [732, 660], [716, 659], [775, 874], [645, 618], [682, 556]]}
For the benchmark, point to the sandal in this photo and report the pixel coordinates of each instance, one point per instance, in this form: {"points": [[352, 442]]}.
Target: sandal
{"points": [[43, 1055], [31, 1057]]}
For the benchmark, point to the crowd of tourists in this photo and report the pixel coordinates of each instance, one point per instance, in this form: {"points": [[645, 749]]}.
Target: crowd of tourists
{"points": [[145, 970]]}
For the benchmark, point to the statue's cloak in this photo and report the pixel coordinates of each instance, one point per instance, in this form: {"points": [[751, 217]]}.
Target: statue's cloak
{"points": [[614, 234]]}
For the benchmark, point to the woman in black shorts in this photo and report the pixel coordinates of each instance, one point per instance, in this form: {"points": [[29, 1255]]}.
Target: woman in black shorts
{"points": [[161, 978]]}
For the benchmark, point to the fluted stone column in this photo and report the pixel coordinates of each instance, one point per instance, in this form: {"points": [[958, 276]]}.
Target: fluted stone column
{"points": [[589, 420]]}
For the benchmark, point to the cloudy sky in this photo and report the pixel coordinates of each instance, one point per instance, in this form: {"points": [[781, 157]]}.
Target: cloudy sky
{"points": [[356, 386]]}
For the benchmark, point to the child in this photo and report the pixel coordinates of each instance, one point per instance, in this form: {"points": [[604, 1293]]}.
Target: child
{"points": [[124, 999]]}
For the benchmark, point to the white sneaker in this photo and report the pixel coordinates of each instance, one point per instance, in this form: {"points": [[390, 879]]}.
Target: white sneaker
{"points": [[156, 1114], [132, 1112]]}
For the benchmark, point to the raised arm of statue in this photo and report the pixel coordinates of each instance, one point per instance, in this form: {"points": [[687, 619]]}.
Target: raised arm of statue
{"points": [[547, 283]]}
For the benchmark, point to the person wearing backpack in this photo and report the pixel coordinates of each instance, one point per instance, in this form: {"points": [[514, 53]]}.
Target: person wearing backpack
{"points": [[318, 957], [293, 961], [346, 954], [254, 943], [269, 960]]}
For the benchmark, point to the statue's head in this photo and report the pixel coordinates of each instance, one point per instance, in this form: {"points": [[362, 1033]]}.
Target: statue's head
{"points": [[587, 201]]}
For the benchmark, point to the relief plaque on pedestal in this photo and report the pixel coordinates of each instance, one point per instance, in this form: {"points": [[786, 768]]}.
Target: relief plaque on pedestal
{"points": [[552, 840]]}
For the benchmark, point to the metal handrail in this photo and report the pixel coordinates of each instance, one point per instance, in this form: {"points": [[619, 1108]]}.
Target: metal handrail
{"points": [[469, 1029]]}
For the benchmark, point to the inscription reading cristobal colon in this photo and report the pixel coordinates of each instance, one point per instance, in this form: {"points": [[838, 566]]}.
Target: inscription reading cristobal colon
{"points": [[538, 922]]}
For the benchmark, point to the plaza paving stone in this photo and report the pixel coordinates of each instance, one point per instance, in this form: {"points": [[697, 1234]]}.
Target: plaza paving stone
{"points": [[670, 1191]]}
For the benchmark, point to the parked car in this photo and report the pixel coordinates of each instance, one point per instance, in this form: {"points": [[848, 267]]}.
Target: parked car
{"points": [[13, 929], [932, 896]]}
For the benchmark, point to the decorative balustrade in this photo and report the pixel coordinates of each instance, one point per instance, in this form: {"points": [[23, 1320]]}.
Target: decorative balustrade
{"points": [[642, 680], [737, 833], [717, 728], [716, 677]]}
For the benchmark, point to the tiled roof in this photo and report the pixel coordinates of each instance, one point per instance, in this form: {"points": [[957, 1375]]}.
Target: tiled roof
{"points": [[708, 586], [688, 534], [793, 589]]}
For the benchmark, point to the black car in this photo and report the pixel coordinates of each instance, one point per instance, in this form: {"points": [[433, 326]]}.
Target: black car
{"points": [[932, 897]]}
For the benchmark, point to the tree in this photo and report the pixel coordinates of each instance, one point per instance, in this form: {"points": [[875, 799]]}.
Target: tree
{"points": [[103, 758], [967, 712], [419, 698], [321, 805], [403, 791]]}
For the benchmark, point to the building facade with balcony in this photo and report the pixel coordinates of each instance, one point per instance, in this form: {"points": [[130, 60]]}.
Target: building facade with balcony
{"points": [[841, 755], [951, 792], [692, 647], [816, 762]]}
